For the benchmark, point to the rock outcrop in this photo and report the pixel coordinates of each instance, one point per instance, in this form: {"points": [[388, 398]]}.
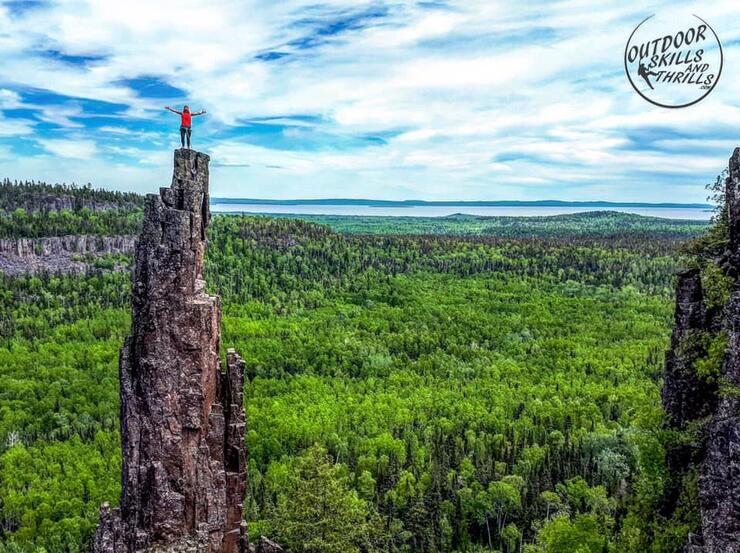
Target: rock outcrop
{"points": [[40, 197], [719, 486], [182, 418], [50, 202], [713, 402], [267, 546], [58, 254], [73, 243], [686, 397]]}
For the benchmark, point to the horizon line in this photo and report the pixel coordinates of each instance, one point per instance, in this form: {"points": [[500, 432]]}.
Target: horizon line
{"points": [[481, 203]]}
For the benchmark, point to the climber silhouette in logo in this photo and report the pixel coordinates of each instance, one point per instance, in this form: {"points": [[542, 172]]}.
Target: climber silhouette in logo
{"points": [[185, 122], [645, 74]]}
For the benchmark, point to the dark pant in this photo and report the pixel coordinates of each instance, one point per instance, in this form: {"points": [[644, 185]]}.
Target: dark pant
{"points": [[185, 132]]}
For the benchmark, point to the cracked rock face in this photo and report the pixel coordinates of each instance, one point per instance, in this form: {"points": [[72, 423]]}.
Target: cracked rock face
{"points": [[58, 254], [55, 202], [685, 396], [182, 418], [719, 486]]}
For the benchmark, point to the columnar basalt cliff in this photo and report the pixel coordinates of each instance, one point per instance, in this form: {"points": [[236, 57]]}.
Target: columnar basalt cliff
{"points": [[72, 254], [182, 418], [50, 202], [714, 402]]}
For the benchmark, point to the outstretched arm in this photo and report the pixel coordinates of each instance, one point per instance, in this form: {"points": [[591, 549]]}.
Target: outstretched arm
{"points": [[173, 110], [201, 112]]}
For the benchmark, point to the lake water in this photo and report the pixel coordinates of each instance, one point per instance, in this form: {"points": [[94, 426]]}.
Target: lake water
{"points": [[443, 211]]}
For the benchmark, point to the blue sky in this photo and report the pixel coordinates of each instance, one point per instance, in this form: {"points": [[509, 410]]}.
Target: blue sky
{"points": [[468, 100]]}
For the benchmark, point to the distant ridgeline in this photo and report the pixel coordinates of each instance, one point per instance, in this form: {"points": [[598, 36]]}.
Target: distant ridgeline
{"points": [[461, 203], [59, 228], [35, 196], [31, 209], [576, 226]]}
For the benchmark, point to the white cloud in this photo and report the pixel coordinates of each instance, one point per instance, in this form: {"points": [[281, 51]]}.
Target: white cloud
{"points": [[67, 148], [489, 99], [15, 127], [9, 99]]}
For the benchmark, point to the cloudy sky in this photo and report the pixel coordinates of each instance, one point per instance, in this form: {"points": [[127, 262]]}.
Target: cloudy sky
{"points": [[475, 99]]}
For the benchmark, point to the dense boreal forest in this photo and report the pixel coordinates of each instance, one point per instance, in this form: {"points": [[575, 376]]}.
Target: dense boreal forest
{"points": [[408, 390], [42, 196], [31, 209], [585, 225]]}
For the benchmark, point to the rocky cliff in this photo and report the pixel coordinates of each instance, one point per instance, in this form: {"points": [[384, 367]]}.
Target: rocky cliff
{"points": [[38, 196], [719, 487], [686, 397], [75, 243], [182, 418], [51, 202], [708, 400], [58, 254]]}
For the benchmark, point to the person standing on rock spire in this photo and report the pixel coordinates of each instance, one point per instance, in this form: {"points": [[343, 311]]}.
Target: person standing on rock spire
{"points": [[185, 122]]}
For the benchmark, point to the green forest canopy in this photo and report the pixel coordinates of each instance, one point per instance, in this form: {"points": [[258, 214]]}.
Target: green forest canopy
{"points": [[453, 393]]}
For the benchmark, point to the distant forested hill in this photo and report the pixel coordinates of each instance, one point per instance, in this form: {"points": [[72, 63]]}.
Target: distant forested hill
{"points": [[578, 225], [41, 196], [32, 209], [483, 203]]}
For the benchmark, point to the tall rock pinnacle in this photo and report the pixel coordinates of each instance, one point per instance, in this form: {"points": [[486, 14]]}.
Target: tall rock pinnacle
{"points": [[182, 418]]}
